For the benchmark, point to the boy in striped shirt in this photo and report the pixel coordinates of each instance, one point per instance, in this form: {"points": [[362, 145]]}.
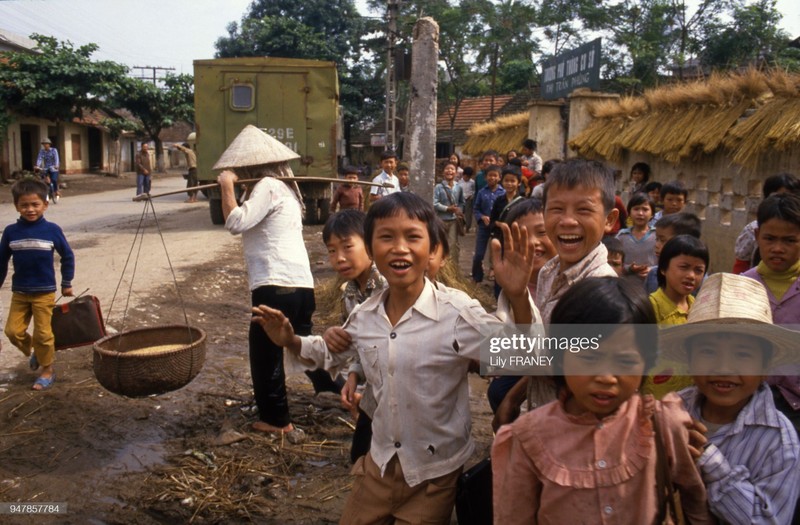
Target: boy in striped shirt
{"points": [[747, 451]]}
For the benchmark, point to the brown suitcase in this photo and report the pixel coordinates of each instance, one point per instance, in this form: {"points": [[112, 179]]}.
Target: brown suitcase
{"points": [[78, 322]]}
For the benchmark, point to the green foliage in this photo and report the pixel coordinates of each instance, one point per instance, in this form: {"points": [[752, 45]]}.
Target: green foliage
{"points": [[156, 107], [59, 82]]}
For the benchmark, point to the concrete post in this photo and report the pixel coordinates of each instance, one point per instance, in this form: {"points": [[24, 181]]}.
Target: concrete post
{"points": [[421, 130], [579, 117], [547, 128]]}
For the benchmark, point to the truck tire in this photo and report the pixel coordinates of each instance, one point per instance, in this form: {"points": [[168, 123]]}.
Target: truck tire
{"points": [[311, 211], [324, 210], [215, 208]]}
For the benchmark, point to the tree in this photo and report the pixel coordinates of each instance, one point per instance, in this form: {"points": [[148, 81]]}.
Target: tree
{"points": [[158, 107], [58, 83]]}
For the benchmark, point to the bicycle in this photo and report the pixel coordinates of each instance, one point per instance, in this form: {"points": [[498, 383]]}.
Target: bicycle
{"points": [[52, 190]]}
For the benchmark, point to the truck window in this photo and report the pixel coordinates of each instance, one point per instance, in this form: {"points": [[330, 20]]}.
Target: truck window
{"points": [[242, 97]]}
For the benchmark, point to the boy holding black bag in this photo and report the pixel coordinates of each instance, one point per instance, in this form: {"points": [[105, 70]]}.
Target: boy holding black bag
{"points": [[31, 242]]}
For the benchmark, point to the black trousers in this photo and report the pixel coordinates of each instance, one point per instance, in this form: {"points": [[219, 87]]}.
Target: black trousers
{"points": [[266, 358]]}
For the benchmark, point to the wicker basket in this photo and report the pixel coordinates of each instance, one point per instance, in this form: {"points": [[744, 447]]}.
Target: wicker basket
{"points": [[156, 373]]}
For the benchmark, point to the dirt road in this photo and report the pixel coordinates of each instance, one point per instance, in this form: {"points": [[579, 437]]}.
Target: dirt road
{"points": [[186, 456]]}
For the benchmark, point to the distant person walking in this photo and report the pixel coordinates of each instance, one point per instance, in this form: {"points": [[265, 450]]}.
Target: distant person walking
{"points": [[191, 163], [144, 170], [47, 161]]}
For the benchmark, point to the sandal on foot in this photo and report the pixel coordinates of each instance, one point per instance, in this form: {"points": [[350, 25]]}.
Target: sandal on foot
{"points": [[44, 382], [33, 362]]}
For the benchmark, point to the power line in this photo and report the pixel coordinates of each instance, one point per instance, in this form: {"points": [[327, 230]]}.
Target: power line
{"points": [[154, 69]]}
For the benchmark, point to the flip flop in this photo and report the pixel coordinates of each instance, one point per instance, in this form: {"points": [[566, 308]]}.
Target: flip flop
{"points": [[33, 362], [44, 382]]}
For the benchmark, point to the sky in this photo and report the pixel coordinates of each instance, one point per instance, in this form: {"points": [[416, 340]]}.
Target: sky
{"points": [[165, 33]]}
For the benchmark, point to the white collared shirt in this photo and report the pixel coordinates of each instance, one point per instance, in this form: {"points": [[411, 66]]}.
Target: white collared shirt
{"points": [[418, 372], [271, 224], [382, 178]]}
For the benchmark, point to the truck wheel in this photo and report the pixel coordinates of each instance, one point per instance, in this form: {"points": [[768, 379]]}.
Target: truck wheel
{"points": [[311, 211], [324, 210], [215, 207]]}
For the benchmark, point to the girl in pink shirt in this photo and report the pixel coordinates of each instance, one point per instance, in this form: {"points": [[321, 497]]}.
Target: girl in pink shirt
{"points": [[590, 457]]}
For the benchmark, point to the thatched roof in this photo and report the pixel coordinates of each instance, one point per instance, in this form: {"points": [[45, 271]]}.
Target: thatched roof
{"points": [[501, 134], [751, 114]]}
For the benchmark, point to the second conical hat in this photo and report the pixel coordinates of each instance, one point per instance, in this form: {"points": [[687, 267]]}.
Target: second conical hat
{"points": [[253, 147]]}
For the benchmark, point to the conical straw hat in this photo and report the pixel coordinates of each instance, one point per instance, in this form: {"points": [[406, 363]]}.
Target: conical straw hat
{"points": [[735, 304], [253, 147]]}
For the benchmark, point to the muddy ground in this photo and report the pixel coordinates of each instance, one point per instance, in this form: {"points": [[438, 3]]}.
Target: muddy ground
{"points": [[189, 455]]}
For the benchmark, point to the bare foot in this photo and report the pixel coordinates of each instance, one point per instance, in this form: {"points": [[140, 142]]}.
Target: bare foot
{"points": [[261, 426]]}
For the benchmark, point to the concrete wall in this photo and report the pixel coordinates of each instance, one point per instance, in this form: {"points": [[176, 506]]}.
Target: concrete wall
{"points": [[547, 128]]}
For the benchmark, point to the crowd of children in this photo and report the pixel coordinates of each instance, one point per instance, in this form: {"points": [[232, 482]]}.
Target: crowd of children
{"points": [[601, 432], [694, 387]]}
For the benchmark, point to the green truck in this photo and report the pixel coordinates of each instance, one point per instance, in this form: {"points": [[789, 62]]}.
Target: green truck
{"points": [[295, 101]]}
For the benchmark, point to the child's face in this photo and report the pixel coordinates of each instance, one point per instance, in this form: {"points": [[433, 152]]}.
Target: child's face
{"points": [[641, 214], [401, 248], [683, 275], [637, 176], [615, 260], [492, 178], [576, 221], [727, 369], [488, 161], [388, 165], [510, 184], [663, 235], [31, 207], [655, 195], [538, 241], [402, 176], [601, 380], [779, 244], [351, 177], [673, 203], [436, 262], [348, 256], [449, 172]]}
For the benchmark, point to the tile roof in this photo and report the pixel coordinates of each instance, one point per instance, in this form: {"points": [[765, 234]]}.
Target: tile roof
{"points": [[478, 109]]}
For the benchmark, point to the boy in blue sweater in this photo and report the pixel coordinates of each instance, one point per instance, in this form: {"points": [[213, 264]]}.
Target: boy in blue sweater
{"points": [[31, 242]]}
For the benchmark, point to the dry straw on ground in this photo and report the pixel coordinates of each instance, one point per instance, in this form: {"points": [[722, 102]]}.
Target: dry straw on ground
{"points": [[751, 113]]}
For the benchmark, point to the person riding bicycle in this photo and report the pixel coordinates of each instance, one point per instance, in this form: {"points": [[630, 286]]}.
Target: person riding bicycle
{"points": [[48, 163]]}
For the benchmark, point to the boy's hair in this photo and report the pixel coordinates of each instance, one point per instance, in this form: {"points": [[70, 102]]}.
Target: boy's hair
{"points": [[402, 166], [781, 181], [413, 205], [29, 187], [529, 144], [679, 245], [342, 224], [492, 167], [614, 245], [489, 153], [350, 170], [388, 154], [640, 198], [604, 301], [650, 186], [441, 236], [644, 168], [468, 172], [549, 165], [783, 206], [675, 188], [683, 223], [511, 169], [523, 208], [590, 174]]}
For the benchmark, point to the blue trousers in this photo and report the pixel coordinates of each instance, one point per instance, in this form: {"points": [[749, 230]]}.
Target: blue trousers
{"points": [[142, 183], [482, 235]]}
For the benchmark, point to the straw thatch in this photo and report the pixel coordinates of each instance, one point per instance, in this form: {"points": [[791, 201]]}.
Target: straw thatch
{"points": [[501, 134], [750, 113]]}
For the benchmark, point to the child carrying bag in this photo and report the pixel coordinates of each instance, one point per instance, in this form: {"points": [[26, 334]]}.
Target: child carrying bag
{"points": [[78, 322]]}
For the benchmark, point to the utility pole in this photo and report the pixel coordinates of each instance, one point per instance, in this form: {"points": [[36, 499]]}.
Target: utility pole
{"points": [[421, 131], [154, 69], [391, 81]]}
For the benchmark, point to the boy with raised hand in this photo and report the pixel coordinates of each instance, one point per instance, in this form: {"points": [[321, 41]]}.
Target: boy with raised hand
{"points": [[747, 451], [31, 242]]}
